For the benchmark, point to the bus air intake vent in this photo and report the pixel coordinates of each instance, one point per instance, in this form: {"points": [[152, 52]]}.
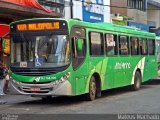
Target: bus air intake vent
{"points": [[35, 71]]}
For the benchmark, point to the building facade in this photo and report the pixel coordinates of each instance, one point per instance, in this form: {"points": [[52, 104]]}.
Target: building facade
{"points": [[137, 9], [119, 7], [154, 16], [153, 13], [133, 13], [88, 10], [54, 5]]}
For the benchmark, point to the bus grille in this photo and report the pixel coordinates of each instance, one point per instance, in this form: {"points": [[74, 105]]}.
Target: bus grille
{"points": [[33, 72]]}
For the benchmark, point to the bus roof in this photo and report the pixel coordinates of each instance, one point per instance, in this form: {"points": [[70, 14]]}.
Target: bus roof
{"points": [[112, 28], [103, 26]]}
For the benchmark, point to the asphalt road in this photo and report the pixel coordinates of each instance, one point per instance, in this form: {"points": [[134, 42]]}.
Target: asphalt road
{"points": [[115, 101]]}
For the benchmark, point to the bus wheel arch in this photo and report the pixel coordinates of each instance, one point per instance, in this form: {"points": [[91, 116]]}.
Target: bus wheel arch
{"points": [[137, 80], [94, 80]]}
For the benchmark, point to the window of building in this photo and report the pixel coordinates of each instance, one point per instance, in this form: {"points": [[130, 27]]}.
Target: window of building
{"points": [[123, 45], [134, 46], [151, 47], [143, 46], [111, 44], [137, 4], [96, 44], [54, 5]]}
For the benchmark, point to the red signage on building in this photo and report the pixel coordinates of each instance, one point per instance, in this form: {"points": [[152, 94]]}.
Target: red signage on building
{"points": [[4, 29]]}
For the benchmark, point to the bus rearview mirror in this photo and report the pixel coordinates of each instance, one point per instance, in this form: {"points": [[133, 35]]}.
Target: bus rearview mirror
{"points": [[79, 44]]}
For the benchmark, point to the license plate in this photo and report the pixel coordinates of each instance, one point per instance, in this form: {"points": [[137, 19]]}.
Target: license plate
{"points": [[35, 89]]}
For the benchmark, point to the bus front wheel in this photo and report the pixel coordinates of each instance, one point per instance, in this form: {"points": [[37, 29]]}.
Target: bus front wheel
{"points": [[92, 90], [137, 81]]}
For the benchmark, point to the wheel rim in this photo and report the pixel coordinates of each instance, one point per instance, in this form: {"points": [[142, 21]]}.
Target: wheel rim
{"points": [[138, 83], [92, 89]]}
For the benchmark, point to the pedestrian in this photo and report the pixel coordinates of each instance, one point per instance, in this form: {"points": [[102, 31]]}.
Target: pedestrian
{"points": [[1, 82], [6, 80]]}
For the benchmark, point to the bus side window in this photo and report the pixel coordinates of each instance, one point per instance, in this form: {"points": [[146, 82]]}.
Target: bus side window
{"points": [[78, 56], [96, 44], [151, 47], [76, 53], [123, 45], [143, 47], [111, 44], [134, 46], [158, 49]]}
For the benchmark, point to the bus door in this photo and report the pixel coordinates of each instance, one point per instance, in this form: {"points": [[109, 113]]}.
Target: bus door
{"points": [[79, 61], [152, 67], [144, 54], [111, 48], [122, 66]]}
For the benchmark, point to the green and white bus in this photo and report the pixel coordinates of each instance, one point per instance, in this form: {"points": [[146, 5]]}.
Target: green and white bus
{"points": [[58, 57]]}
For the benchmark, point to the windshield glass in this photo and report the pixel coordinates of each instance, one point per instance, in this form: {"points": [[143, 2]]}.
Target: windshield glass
{"points": [[40, 51]]}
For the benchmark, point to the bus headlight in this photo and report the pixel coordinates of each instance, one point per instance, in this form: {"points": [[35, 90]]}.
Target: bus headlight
{"points": [[64, 78], [61, 80], [16, 82]]}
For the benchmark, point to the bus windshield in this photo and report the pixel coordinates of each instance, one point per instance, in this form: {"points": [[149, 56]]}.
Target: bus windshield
{"points": [[40, 50]]}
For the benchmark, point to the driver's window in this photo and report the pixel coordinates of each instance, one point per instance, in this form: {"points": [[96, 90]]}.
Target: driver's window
{"points": [[78, 56]]}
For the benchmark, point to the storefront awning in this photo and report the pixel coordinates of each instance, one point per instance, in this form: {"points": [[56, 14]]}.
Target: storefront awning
{"points": [[14, 12], [28, 3]]}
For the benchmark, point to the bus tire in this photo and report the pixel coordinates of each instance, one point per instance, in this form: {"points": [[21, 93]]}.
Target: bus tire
{"points": [[91, 95], [137, 81]]}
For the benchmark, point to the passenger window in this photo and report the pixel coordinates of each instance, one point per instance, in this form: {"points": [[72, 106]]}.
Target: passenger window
{"points": [[123, 45], [111, 44], [78, 56], [134, 46], [96, 46], [151, 47], [143, 47]]}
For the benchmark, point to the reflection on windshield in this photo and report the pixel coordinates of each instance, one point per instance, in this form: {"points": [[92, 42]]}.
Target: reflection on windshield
{"points": [[40, 51]]}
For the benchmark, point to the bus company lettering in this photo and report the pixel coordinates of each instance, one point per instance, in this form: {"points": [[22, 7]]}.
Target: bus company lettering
{"points": [[122, 66], [51, 78], [45, 78]]}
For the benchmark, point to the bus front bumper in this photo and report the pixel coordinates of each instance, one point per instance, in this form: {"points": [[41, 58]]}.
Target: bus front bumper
{"points": [[47, 89]]}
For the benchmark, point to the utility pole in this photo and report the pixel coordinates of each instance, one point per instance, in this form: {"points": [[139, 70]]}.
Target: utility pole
{"points": [[71, 8]]}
